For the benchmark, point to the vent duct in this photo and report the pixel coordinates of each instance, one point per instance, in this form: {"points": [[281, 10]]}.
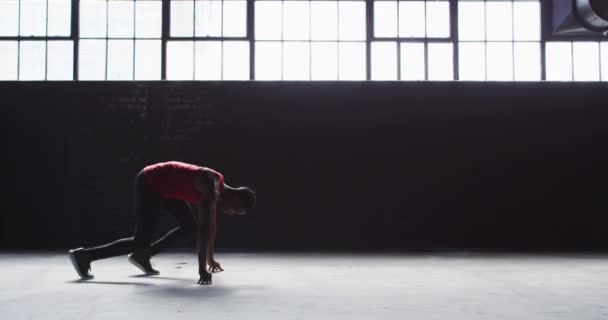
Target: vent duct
{"points": [[580, 17]]}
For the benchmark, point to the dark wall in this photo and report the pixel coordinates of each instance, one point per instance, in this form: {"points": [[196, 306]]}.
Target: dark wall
{"points": [[335, 165]]}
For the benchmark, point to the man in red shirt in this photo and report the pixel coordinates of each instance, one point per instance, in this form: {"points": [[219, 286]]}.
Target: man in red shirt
{"points": [[192, 194]]}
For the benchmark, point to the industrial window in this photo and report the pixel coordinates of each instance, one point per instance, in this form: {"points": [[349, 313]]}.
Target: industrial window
{"points": [[208, 40], [35, 40], [577, 61], [412, 40], [310, 40], [120, 40], [500, 40]]}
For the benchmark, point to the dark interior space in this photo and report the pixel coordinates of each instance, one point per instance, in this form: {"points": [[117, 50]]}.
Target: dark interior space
{"points": [[361, 165], [314, 159]]}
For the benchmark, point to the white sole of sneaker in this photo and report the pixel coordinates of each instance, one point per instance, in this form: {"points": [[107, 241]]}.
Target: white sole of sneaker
{"points": [[75, 264], [140, 267]]}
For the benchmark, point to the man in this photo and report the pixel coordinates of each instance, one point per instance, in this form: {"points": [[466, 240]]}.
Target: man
{"points": [[192, 194]]}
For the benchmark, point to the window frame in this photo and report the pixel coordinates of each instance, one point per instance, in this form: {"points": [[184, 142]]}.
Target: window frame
{"points": [[452, 38], [45, 39], [513, 41], [166, 37], [74, 37], [364, 41]]}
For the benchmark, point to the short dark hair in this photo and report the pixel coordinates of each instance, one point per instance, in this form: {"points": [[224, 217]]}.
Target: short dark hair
{"points": [[247, 197]]}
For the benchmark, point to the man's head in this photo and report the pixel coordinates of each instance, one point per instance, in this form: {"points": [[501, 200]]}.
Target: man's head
{"points": [[238, 200]]}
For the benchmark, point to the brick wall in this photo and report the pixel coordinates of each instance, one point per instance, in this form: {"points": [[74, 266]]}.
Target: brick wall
{"points": [[335, 165]]}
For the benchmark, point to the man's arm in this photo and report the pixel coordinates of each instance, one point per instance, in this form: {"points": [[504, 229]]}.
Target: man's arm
{"points": [[214, 266], [203, 232], [205, 183]]}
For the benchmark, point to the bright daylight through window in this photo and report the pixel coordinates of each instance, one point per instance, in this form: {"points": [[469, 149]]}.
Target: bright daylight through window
{"points": [[292, 40]]}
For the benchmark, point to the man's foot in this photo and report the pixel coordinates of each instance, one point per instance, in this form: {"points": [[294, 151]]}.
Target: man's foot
{"points": [[81, 262], [142, 261]]}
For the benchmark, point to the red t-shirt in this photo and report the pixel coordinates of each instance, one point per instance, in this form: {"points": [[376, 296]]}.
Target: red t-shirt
{"points": [[175, 180]]}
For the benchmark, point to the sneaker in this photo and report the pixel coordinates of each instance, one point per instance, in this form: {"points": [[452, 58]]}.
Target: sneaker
{"points": [[81, 262], [142, 261]]}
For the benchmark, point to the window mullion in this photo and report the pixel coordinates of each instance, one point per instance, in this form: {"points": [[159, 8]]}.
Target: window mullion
{"points": [[19, 42], [338, 40], [543, 30], [455, 38], [134, 37], [194, 42], [107, 36], [426, 60], [369, 10], [75, 35], [46, 43], [165, 33], [250, 37], [399, 42]]}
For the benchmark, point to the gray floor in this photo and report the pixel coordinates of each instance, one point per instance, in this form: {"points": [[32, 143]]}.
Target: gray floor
{"points": [[311, 286]]}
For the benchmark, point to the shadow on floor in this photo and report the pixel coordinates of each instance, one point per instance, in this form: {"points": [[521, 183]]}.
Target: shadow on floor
{"points": [[179, 288], [197, 291], [145, 276], [111, 282]]}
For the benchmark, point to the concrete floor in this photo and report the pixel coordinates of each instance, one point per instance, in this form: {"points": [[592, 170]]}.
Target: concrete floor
{"points": [[311, 286]]}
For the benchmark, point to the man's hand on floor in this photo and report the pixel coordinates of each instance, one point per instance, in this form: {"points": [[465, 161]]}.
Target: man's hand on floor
{"points": [[205, 278], [215, 267]]}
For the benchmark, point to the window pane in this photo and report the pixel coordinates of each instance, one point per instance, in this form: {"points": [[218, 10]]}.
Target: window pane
{"points": [[384, 61], [412, 19], [180, 60], [441, 61], [120, 60], [526, 24], [471, 22], [559, 61], [236, 60], [586, 60], [324, 20], [268, 25], [296, 61], [32, 61], [8, 60], [268, 60], [60, 60], [352, 20], [412, 61], [120, 15], [500, 61], [324, 61], [472, 61], [296, 20], [147, 59], [92, 60], [33, 18], [182, 18], [60, 13], [235, 18], [499, 19], [92, 18], [209, 18], [604, 61], [351, 60], [9, 18], [437, 19], [527, 61], [148, 19], [208, 60], [385, 19]]}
